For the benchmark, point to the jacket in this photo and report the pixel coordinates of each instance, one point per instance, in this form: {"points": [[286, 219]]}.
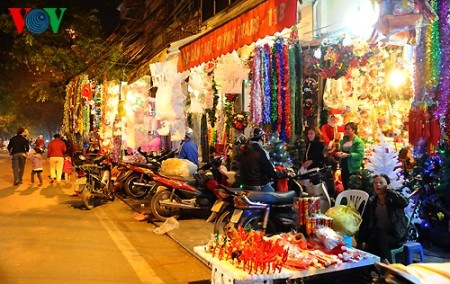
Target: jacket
{"points": [[18, 144], [189, 151], [315, 154], [395, 204], [36, 161], [256, 168], [356, 154], [56, 148]]}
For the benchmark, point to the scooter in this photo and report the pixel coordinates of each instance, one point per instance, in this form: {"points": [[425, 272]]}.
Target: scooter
{"points": [[176, 195], [272, 212], [135, 178], [94, 181]]}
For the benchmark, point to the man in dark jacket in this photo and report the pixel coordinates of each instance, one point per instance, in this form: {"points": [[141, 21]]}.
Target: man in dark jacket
{"points": [[256, 169], [18, 148]]}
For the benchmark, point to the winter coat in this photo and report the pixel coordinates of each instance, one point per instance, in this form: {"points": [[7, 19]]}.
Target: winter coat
{"points": [[256, 168], [395, 204]]}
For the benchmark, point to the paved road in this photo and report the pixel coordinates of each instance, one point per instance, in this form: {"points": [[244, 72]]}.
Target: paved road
{"points": [[47, 237]]}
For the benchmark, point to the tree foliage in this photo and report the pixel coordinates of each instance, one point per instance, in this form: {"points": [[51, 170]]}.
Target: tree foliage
{"points": [[37, 67]]}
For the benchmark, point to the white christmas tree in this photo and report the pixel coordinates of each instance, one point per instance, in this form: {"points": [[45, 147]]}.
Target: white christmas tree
{"points": [[384, 160]]}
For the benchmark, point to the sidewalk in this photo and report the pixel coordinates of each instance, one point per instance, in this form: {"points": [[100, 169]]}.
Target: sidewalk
{"points": [[196, 232]]}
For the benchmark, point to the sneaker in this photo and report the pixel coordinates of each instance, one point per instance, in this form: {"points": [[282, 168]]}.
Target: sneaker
{"points": [[40, 184]]}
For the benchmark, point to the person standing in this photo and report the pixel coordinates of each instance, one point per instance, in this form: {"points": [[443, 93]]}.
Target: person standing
{"points": [[189, 149], [40, 143], [351, 153], [36, 161], [55, 153], [314, 155], [18, 148], [385, 225]]}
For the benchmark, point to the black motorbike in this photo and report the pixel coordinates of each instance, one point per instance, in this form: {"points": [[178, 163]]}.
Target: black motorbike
{"points": [[272, 212], [94, 181]]}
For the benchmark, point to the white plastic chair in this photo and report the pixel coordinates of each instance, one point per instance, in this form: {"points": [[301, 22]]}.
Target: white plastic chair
{"points": [[356, 196]]}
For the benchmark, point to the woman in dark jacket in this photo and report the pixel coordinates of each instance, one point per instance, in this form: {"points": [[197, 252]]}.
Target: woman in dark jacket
{"points": [[315, 148], [384, 225]]}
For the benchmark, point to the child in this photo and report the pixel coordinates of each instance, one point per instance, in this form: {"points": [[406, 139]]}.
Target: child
{"points": [[36, 161], [67, 168]]}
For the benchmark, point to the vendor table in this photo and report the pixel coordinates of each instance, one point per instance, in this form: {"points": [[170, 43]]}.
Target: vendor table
{"points": [[223, 272]]}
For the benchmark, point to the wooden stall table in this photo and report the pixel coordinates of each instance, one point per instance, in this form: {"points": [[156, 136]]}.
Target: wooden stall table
{"points": [[223, 272]]}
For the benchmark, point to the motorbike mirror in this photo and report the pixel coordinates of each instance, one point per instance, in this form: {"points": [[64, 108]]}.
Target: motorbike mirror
{"points": [[81, 157]]}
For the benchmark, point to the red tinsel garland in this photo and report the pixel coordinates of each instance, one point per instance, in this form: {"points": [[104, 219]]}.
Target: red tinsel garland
{"points": [[279, 100], [287, 96]]}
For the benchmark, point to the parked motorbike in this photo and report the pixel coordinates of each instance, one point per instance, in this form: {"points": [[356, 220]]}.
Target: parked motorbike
{"points": [[136, 178], [272, 212], [178, 194], [94, 181]]}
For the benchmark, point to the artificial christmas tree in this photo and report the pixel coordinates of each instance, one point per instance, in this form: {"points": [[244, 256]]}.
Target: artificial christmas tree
{"points": [[384, 160]]}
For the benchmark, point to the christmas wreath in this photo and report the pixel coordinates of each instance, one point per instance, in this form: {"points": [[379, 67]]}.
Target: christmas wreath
{"points": [[239, 121], [335, 60]]}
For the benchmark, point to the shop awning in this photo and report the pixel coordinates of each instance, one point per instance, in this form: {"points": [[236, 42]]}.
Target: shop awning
{"points": [[265, 19]]}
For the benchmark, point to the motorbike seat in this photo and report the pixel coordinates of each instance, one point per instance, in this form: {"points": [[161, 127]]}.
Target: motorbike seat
{"points": [[275, 198], [144, 165], [187, 179], [233, 190]]}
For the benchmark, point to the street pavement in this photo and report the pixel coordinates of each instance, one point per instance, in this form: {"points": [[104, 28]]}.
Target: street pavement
{"points": [[46, 236]]}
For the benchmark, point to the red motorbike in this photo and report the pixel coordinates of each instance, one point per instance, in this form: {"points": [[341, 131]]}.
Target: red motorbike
{"points": [[176, 194]]}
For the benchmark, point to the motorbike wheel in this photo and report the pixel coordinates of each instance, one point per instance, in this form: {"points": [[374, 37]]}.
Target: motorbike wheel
{"points": [[136, 191], [255, 222], [162, 212], [87, 198], [222, 223]]}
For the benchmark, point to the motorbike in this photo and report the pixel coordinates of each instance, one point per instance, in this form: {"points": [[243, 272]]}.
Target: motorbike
{"points": [[220, 211], [135, 178], [272, 212], [176, 195], [94, 181]]}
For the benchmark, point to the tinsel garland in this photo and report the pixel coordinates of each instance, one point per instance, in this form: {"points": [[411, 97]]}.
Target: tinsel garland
{"points": [[256, 94], [274, 87], [292, 85], [444, 76], [432, 54], [266, 84], [287, 98], [419, 66], [280, 85]]}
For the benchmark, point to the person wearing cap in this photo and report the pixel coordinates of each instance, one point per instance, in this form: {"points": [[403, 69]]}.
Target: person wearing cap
{"points": [[18, 147], [40, 143], [189, 149], [256, 169]]}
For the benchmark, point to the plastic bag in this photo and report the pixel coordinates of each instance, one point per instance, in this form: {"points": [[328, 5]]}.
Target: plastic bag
{"points": [[346, 218], [169, 225], [178, 167]]}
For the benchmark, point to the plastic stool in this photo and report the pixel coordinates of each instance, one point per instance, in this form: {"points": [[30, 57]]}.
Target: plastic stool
{"points": [[410, 249], [394, 253]]}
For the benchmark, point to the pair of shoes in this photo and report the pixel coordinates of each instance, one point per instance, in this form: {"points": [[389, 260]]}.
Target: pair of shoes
{"points": [[31, 184], [52, 181], [16, 183], [40, 184], [20, 181]]}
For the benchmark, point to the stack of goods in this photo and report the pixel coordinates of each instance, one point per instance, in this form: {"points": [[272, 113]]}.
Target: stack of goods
{"points": [[255, 253], [309, 216]]}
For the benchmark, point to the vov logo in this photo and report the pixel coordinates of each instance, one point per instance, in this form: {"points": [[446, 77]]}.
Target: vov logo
{"points": [[37, 21]]}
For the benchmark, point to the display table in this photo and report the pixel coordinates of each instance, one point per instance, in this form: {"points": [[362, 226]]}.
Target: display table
{"points": [[224, 272]]}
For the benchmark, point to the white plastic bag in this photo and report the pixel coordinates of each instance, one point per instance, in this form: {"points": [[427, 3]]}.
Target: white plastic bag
{"points": [[169, 225]]}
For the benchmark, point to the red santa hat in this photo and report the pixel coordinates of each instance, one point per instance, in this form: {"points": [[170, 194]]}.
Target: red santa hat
{"points": [[335, 111]]}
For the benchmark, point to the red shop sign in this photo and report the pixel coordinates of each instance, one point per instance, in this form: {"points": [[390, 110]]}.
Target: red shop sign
{"points": [[265, 19]]}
